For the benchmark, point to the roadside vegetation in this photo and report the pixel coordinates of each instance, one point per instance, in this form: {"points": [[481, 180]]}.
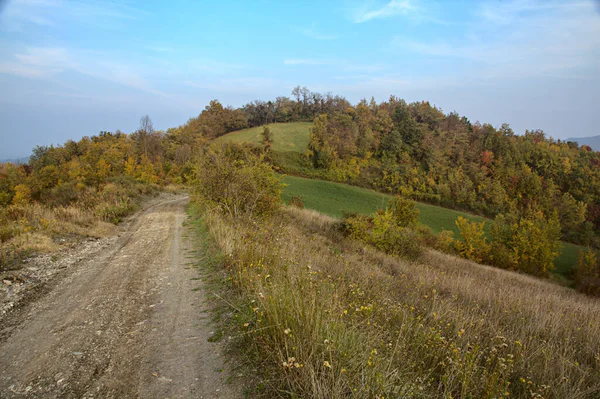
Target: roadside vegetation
{"points": [[326, 308]]}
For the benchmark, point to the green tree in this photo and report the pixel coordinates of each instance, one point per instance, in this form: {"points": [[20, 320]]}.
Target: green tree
{"points": [[532, 238]]}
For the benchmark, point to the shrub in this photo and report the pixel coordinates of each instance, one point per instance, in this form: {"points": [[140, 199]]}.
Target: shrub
{"points": [[296, 201], [5, 198], [22, 195], [11, 258], [114, 203], [587, 274], [357, 226], [445, 242], [404, 211], [236, 181], [115, 210], [64, 194], [384, 233], [501, 256], [474, 244], [532, 239]]}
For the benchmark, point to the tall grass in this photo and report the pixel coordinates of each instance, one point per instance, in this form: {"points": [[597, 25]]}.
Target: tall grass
{"points": [[30, 228], [327, 317]]}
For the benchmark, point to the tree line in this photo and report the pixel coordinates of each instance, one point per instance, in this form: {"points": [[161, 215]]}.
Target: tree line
{"points": [[410, 149]]}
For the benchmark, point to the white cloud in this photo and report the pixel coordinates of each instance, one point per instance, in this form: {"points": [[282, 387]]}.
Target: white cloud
{"points": [[44, 62], [541, 39], [392, 8], [19, 15], [508, 11]]}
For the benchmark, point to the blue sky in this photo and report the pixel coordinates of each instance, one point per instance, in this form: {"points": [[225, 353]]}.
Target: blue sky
{"points": [[74, 68]]}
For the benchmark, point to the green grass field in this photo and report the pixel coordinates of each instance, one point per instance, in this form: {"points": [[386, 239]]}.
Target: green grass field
{"points": [[334, 198], [287, 137]]}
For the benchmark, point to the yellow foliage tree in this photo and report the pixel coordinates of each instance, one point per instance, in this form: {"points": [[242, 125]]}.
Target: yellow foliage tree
{"points": [[22, 195], [145, 171], [130, 167], [474, 244]]}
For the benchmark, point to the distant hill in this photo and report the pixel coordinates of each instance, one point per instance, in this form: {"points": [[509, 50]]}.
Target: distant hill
{"points": [[593, 142], [19, 160]]}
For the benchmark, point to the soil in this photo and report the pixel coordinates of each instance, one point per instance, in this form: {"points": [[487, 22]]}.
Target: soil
{"points": [[121, 317]]}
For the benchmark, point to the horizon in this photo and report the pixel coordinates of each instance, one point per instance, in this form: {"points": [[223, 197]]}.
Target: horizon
{"points": [[73, 69]]}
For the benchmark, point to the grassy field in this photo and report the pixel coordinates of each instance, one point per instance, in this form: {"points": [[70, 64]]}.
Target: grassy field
{"points": [[287, 137], [334, 198]]}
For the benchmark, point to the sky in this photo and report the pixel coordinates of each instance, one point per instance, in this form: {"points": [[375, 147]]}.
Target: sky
{"points": [[73, 68]]}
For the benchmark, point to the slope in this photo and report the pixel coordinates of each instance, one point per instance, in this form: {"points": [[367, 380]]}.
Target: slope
{"points": [[291, 140]]}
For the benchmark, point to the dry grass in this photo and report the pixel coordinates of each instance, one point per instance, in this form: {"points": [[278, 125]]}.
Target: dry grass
{"points": [[34, 228], [329, 318]]}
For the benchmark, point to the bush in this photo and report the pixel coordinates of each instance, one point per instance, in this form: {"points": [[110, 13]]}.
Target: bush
{"points": [[296, 201], [115, 203], [236, 181], [64, 194], [383, 233], [533, 240], [587, 274], [404, 211], [474, 244], [445, 242], [114, 211], [501, 256], [22, 195]]}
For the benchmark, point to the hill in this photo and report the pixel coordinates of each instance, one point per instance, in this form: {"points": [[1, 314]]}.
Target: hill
{"points": [[333, 198], [593, 142], [18, 160], [287, 137]]}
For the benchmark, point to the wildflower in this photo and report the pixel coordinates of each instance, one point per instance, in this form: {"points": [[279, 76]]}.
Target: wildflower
{"points": [[326, 364], [287, 331], [246, 324], [291, 362], [343, 371]]}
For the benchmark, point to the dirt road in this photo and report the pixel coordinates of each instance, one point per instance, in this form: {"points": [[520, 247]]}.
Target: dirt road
{"points": [[128, 322]]}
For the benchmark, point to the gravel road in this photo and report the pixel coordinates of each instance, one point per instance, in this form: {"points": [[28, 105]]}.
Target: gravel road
{"points": [[128, 322]]}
